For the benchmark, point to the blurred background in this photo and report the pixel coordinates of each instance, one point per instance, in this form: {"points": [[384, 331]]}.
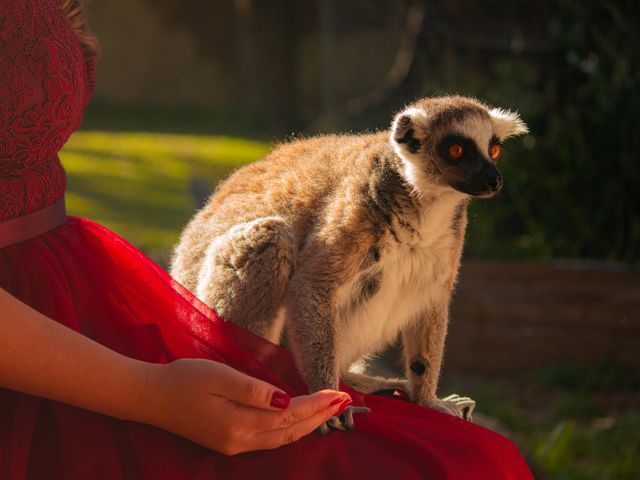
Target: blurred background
{"points": [[545, 330]]}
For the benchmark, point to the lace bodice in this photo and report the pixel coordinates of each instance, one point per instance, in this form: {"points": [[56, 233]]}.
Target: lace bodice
{"points": [[45, 83]]}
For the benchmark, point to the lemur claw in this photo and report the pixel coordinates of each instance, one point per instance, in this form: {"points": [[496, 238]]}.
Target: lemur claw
{"points": [[343, 422], [461, 407]]}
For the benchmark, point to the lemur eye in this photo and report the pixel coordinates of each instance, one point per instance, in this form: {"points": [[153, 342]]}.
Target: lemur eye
{"points": [[494, 151], [456, 151]]}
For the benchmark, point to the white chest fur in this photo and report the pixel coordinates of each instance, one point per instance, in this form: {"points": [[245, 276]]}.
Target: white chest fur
{"points": [[413, 273]]}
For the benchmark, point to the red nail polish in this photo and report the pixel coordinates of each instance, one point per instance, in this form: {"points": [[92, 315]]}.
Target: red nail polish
{"points": [[344, 406], [280, 400], [336, 401]]}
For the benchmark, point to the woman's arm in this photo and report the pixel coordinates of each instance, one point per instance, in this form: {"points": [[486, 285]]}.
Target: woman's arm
{"points": [[44, 358], [204, 401]]}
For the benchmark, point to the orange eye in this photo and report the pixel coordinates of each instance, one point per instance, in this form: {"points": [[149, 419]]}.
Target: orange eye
{"points": [[455, 151], [494, 151]]}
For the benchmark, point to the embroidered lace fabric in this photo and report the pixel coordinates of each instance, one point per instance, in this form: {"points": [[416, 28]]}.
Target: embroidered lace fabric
{"points": [[45, 83]]}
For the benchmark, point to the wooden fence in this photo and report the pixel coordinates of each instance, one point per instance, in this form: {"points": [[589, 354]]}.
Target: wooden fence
{"points": [[513, 316]]}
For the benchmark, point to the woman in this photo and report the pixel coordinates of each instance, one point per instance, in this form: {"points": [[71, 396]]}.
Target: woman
{"points": [[112, 370]]}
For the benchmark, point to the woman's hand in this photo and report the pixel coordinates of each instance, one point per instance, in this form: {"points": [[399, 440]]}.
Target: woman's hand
{"points": [[227, 411]]}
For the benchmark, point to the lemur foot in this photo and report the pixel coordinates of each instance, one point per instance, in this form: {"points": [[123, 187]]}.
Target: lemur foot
{"points": [[344, 421], [461, 407]]}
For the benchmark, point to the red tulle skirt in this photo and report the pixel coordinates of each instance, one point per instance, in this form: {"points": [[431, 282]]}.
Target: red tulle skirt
{"points": [[92, 281]]}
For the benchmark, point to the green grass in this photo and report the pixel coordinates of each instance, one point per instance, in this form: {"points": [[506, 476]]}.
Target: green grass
{"points": [[138, 184], [578, 422]]}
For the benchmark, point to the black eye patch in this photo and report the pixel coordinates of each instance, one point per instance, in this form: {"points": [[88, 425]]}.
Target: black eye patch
{"points": [[469, 149]]}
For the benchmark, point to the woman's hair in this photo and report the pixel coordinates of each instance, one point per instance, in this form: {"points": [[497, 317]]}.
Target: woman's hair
{"points": [[74, 11]]}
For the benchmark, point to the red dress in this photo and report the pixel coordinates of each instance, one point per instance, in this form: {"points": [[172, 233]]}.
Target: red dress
{"points": [[92, 281]]}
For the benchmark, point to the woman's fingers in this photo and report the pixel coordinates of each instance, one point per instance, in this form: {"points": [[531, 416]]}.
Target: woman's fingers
{"points": [[230, 412], [301, 408], [294, 432], [243, 389]]}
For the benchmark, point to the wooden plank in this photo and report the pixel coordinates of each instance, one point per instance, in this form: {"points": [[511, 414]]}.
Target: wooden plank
{"points": [[510, 316]]}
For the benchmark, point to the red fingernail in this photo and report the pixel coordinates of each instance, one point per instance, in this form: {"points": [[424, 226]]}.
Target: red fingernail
{"points": [[344, 406], [280, 400], [336, 401]]}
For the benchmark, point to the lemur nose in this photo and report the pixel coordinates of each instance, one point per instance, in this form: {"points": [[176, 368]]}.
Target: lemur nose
{"points": [[494, 180]]}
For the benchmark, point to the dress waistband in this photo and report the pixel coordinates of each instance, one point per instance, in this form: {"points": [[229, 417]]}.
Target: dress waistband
{"points": [[33, 224]]}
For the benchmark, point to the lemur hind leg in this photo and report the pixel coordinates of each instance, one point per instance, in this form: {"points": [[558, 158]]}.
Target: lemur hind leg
{"points": [[374, 384], [245, 274]]}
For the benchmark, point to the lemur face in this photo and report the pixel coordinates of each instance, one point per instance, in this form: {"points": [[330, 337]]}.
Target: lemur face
{"points": [[465, 156], [453, 142]]}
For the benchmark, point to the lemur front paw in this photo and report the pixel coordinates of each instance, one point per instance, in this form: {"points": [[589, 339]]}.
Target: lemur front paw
{"points": [[461, 407], [343, 422]]}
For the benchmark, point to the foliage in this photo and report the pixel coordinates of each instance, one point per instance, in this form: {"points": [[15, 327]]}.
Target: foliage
{"points": [[573, 185], [555, 449], [579, 421]]}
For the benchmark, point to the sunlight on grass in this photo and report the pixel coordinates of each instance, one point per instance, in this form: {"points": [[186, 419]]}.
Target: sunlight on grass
{"points": [[137, 184]]}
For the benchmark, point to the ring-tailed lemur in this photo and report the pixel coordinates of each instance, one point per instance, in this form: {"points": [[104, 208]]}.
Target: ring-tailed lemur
{"points": [[343, 241]]}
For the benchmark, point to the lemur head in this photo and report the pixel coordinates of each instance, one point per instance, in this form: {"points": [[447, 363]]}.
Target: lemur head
{"points": [[453, 142]]}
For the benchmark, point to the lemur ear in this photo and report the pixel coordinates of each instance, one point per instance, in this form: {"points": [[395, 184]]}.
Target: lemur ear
{"points": [[406, 130], [507, 123]]}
